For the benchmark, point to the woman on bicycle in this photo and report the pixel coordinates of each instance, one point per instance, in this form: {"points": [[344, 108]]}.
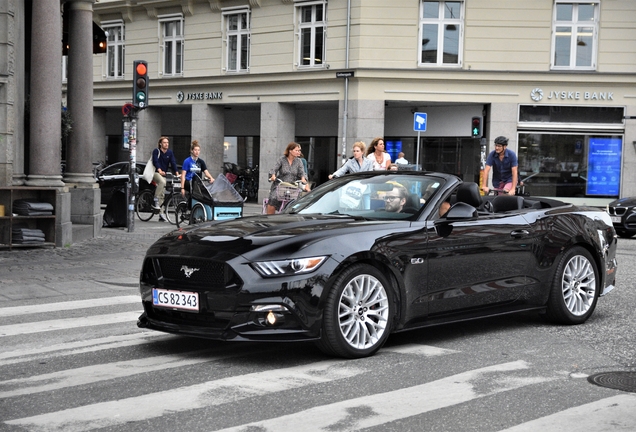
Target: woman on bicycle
{"points": [[288, 169], [193, 164]]}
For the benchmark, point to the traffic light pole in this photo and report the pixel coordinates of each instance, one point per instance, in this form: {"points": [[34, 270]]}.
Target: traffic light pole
{"points": [[133, 184]]}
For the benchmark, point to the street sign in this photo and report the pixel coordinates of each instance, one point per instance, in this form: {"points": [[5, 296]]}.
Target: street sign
{"points": [[419, 122], [345, 74]]}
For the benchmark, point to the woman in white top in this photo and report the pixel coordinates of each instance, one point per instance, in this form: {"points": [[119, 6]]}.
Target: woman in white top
{"points": [[376, 154], [356, 164]]}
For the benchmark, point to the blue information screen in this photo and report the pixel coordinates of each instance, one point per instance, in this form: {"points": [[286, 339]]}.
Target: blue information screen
{"points": [[604, 166]]}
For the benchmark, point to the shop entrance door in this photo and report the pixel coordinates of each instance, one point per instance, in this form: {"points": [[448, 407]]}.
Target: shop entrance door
{"points": [[452, 155]]}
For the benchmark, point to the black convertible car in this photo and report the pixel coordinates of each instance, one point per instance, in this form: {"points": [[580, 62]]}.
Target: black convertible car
{"points": [[373, 253]]}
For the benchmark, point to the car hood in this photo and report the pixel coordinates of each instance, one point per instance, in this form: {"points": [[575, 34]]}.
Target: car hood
{"points": [[275, 235], [624, 202]]}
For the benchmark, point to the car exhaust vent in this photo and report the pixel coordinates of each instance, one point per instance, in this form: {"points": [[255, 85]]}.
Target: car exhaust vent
{"points": [[625, 381]]}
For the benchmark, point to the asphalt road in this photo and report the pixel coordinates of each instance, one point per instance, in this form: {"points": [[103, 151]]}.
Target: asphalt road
{"points": [[72, 358]]}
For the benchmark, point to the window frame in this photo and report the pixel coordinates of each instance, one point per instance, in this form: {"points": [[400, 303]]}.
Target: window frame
{"points": [[177, 55], [442, 22], [239, 33], [313, 26], [117, 48], [577, 25]]}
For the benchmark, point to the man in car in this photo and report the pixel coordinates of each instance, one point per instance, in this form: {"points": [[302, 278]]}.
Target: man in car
{"points": [[395, 199], [504, 166]]}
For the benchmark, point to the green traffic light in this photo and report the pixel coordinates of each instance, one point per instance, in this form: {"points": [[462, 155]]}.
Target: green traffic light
{"points": [[141, 96]]}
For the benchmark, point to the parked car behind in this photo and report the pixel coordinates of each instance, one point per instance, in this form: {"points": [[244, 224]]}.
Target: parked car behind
{"points": [[623, 214], [116, 176]]}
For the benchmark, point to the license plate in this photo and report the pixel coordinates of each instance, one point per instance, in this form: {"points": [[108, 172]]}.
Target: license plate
{"points": [[183, 300], [616, 219]]}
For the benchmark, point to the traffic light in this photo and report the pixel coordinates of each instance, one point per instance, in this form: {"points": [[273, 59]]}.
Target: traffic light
{"points": [[476, 131], [140, 84]]}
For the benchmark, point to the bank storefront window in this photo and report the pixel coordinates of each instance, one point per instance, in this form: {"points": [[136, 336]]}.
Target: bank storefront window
{"points": [[570, 165]]}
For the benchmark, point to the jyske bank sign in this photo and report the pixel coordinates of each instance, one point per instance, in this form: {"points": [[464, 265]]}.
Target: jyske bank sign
{"points": [[537, 94]]}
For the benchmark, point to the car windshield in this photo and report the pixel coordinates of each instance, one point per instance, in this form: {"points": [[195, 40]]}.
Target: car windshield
{"points": [[380, 196]]}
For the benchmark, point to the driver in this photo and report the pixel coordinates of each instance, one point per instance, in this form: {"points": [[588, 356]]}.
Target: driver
{"points": [[395, 199]]}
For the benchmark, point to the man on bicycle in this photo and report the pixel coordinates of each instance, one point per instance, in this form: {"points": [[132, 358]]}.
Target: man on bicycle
{"points": [[504, 166], [164, 161]]}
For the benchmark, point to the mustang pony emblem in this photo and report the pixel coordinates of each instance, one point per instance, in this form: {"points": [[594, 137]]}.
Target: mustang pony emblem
{"points": [[188, 270]]}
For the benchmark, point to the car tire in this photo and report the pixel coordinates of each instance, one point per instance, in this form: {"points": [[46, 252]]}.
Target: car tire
{"points": [[182, 215], [143, 205], [575, 288], [358, 313], [625, 234], [198, 214]]}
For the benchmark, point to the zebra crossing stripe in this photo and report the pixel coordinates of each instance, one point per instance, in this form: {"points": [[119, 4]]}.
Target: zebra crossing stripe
{"points": [[68, 323], [375, 410], [226, 390], [617, 413], [68, 305], [104, 372], [82, 347]]}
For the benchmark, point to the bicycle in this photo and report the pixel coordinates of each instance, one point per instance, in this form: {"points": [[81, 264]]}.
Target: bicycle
{"points": [[145, 200], [285, 193]]}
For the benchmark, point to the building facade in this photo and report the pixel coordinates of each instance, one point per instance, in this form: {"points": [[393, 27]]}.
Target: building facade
{"points": [[246, 77]]}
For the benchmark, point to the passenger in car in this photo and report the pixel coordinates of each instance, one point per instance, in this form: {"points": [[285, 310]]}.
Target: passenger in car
{"points": [[443, 209]]}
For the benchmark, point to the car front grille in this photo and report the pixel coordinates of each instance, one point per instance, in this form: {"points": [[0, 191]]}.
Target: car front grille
{"points": [[197, 274], [617, 211]]}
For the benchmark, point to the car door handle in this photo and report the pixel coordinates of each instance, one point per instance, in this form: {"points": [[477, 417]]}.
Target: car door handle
{"points": [[519, 233]]}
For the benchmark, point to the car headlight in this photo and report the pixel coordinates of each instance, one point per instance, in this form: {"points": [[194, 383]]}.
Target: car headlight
{"points": [[288, 267]]}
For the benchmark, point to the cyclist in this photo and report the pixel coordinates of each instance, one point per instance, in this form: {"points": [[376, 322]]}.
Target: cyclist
{"points": [[164, 161], [504, 166], [289, 169], [193, 164]]}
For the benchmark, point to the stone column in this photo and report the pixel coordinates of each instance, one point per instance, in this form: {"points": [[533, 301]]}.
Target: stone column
{"points": [[364, 122], [46, 95], [148, 132], [79, 163], [208, 127], [278, 128]]}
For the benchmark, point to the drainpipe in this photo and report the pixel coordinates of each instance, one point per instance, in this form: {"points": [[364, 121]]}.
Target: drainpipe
{"points": [[346, 90]]}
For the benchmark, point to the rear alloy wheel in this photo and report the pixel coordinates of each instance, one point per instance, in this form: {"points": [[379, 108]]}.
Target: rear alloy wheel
{"points": [[198, 214], [358, 313], [575, 288]]}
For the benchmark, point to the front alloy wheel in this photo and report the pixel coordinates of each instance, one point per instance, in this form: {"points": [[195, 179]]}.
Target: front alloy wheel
{"points": [[575, 289], [358, 313]]}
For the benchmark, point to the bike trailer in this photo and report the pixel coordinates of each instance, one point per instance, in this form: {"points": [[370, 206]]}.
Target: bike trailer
{"points": [[220, 199]]}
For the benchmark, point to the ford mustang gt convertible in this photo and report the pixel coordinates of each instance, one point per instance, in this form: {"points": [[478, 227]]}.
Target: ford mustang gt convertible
{"points": [[369, 254]]}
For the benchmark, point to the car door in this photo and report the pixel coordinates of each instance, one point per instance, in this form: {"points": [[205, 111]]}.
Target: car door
{"points": [[477, 262], [112, 177]]}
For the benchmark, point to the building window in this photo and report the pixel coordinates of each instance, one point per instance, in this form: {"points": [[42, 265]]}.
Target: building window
{"points": [[575, 34], [237, 32], [115, 49], [441, 30], [312, 26], [172, 45]]}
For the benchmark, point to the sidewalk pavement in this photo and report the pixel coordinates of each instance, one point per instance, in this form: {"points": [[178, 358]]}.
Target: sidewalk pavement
{"points": [[105, 266]]}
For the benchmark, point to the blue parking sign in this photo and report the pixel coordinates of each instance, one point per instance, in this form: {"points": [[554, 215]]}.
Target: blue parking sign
{"points": [[419, 122]]}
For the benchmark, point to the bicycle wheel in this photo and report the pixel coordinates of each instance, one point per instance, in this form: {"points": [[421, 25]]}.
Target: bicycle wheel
{"points": [[182, 214], [143, 206], [171, 207], [198, 214]]}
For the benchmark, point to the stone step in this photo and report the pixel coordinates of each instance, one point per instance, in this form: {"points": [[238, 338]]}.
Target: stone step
{"points": [[82, 232]]}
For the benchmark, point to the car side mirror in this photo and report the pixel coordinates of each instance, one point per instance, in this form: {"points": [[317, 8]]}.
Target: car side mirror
{"points": [[461, 211], [458, 212]]}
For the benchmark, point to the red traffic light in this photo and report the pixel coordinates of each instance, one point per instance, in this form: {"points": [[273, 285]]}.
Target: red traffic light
{"points": [[141, 69]]}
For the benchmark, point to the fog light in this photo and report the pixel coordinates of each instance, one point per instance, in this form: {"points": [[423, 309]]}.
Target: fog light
{"points": [[271, 318]]}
